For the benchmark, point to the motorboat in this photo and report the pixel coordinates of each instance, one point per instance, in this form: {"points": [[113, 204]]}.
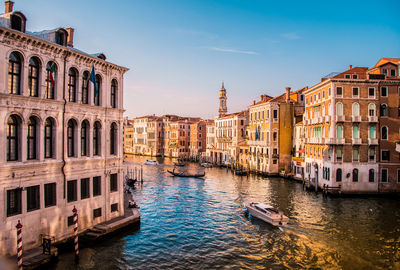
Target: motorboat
{"points": [[206, 165], [185, 174], [150, 162], [267, 213]]}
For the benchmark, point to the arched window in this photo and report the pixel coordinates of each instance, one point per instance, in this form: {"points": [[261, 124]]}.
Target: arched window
{"points": [[339, 109], [355, 175], [96, 139], [48, 138], [356, 132], [72, 76], [61, 37], [84, 138], [32, 138], [85, 87], [356, 109], [33, 76], [16, 23], [339, 131], [372, 132], [114, 87], [338, 175], [371, 109], [384, 110], [371, 175], [51, 77], [71, 138], [384, 133], [14, 73], [97, 96], [113, 139], [12, 138]]}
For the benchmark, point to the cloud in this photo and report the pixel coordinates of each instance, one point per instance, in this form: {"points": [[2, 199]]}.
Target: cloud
{"points": [[290, 36], [230, 50]]}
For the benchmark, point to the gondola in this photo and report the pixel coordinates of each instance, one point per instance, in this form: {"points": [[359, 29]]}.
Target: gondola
{"points": [[130, 182], [179, 164], [182, 174]]}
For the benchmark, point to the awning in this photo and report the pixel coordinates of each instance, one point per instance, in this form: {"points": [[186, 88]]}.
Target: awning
{"points": [[301, 151]]}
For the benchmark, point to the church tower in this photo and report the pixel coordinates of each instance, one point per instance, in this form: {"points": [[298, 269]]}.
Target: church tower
{"points": [[222, 101]]}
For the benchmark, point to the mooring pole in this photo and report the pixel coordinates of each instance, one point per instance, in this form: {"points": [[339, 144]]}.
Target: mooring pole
{"points": [[76, 233], [19, 245]]}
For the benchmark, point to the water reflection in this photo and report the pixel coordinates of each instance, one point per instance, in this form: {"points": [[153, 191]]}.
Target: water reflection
{"points": [[202, 224]]}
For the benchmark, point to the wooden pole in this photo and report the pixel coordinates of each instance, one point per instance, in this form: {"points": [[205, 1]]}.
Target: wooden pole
{"points": [[19, 245], [76, 233]]}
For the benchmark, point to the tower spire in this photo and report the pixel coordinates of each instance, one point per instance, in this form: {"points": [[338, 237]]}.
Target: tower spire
{"points": [[222, 101]]}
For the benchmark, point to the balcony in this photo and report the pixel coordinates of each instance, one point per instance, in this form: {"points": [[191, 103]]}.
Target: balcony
{"points": [[339, 140], [260, 143], [330, 141], [327, 118], [372, 141], [356, 118], [340, 118], [373, 119], [356, 141], [320, 119]]}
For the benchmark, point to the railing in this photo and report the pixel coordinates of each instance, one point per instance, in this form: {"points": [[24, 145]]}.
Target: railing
{"points": [[356, 118], [356, 141], [372, 141], [372, 119], [340, 118], [327, 118], [339, 140], [330, 141]]}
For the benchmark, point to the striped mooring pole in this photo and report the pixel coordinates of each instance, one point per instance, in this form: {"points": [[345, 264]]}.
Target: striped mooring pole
{"points": [[76, 233], [19, 245]]}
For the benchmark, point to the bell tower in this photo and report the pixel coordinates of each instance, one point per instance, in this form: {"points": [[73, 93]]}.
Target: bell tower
{"points": [[222, 101]]}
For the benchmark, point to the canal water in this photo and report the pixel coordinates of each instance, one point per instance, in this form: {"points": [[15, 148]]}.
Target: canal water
{"points": [[202, 224]]}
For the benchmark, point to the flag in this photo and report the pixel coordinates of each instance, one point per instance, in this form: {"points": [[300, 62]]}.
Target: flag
{"points": [[52, 74], [92, 78]]}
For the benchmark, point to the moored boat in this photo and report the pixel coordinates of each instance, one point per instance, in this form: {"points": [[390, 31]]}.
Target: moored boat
{"points": [[206, 165], [267, 213], [179, 164], [184, 174], [151, 162]]}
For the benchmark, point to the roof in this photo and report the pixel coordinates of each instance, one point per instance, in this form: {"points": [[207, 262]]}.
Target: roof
{"points": [[385, 60]]}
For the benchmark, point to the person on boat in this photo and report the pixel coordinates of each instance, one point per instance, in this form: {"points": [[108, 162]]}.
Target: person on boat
{"points": [[132, 204]]}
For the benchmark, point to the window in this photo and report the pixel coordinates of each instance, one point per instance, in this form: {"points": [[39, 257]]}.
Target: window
{"points": [[96, 139], [371, 175], [50, 194], [356, 154], [72, 191], [355, 175], [84, 138], [339, 131], [85, 188], [338, 175], [96, 213], [113, 139], [398, 175], [70, 221], [356, 132], [72, 76], [51, 78], [371, 92], [32, 198], [384, 175], [96, 96], [275, 114], [339, 154], [384, 92], [14, 202], [31, 138], [355, 76], [12, 138], [275, 136], [339, 109], [384, 110], [372, 132], [356, 109], [371, 154], [33, 76], [17, 23], [114, 207], [371, 109], [96, 186], [71, 138], [113, 182], [339, 91], [114, 93], [384, 133], [347, 76], [48, 138], [60, 37], [355, 92], [14, 73], [85, 87], [392, 72], [385, 155]]}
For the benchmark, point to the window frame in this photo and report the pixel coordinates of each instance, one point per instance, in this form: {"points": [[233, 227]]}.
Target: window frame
{"points": [[15, 73], [33, 77]]}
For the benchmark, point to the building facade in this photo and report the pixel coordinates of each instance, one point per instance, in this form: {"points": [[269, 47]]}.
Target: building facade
{"points": [[198, 136], [63, 139]]}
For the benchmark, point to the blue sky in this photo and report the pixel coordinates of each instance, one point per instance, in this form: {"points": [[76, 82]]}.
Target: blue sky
{"points": [[179, 52]]}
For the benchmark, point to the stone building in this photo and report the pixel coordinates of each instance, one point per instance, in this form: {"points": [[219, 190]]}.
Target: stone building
{"points": [[210, 141], [128, 136], [63, 140], [198, 136], [352, 126]]}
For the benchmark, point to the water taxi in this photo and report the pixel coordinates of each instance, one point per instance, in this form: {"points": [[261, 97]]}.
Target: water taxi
{"points": [[150, 162], [267, 213]]}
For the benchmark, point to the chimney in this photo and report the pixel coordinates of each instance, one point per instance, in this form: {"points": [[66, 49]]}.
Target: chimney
{"points": [[350, 67], [287, 94], [70, 38], [254, 102], [9, 6]]}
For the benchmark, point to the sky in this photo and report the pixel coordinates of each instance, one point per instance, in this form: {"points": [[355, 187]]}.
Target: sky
{"points": [[180, 51]]}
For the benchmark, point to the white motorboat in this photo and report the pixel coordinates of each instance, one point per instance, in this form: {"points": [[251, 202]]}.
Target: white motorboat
{"points": [[267, 213], [206, 165], [151, 162]]}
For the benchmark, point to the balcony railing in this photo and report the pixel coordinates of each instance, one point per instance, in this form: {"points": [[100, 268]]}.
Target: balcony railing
{"points": [[356, 141], [339, 140], [356, 118], [340, 118], [372, 119], [372, 141], [330, 141], [327, 118]]}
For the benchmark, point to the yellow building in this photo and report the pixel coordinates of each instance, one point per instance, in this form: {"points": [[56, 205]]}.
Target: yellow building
{"points": [[128, 137], [270, 131]]}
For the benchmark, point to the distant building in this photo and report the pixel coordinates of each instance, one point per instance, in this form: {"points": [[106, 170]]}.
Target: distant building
{"points": [[62, 140], [128, 137]]}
